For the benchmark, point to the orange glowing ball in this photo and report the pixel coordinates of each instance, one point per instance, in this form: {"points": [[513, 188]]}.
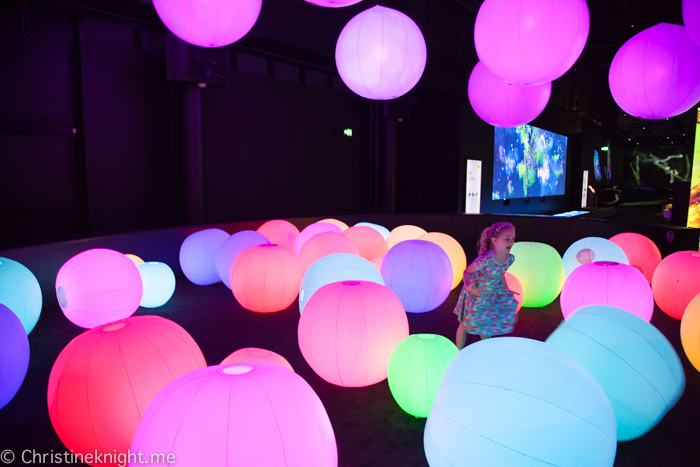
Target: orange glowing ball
{"points": [[405, 232], [280, 232], [642, 253], [135, 259], [254, 354], [343, 226], [676, 282], [454, 251], [323, 244], [515, 285], [369, 241]]}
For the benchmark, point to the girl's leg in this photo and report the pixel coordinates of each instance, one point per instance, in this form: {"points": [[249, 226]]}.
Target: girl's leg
{"points": [[461, 336]]}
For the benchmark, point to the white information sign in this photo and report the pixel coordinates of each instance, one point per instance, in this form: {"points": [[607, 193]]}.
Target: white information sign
{"points": [[473, 201]]}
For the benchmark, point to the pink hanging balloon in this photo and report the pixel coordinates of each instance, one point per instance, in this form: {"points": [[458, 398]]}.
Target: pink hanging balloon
{"points": [[506, 105], [656, 74], [691, 19], [530, 41]]}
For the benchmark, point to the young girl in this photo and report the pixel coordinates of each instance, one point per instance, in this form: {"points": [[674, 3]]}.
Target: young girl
{"points": [[486, 305]]}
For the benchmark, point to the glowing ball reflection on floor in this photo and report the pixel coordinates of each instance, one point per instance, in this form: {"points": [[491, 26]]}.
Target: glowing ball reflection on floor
{"points": [[228, 251], [676, 282], [379, 228], [324, 244], [280, 232], [641, 252], [690, 332], [507, 399], [14, 354], [455, 252], [370, 243], [404, 232], [20, 292], [540, 270], [590, 249], [254, 354], [348, 331], [247, 414], [311, 230], [158, 283], [198, 256]]}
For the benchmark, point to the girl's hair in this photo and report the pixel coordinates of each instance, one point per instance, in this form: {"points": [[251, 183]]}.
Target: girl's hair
{"points": [[484, 243]]}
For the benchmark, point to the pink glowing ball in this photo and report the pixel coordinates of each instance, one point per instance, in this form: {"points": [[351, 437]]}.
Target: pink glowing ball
{"points": [[515, 285], [370, 243], [642, 253], [676, 281], [530, 41], [499, 103], [691, 19], [280, 232], [14, 354], [333, 3], [198, 256], [380, 53], [348, 331], [103, 380], [656, 74], [231, 248], [254, 354], [377, 262], [324, 244], [248, 414], [211, 23], [265, 278], [607, 283], [311, 230], [98, 286]]}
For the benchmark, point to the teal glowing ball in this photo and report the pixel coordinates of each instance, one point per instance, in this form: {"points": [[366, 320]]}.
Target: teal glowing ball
{"points": [[14, 354], [633, 361], [20, 292], [158, 283]]}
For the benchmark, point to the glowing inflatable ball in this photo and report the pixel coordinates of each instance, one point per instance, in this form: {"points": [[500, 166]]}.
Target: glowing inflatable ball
{"points": [[348, 331], [380, 53], [641, 252], [455, 252], [499, 103], [530, 42], [515, 401], [632, 360], [656, 74], [280, 232], [341, 224], [590, 249], [404, 232], [377, 262], [265, 278], [540, 270], [379, 228], [135, 259], [370, 243], [231, 247], [158, 283], [333, 3], [419, 273], [20, 292], [254, 354], [311, 230], [324, 244], [98, 286], [103, 380], [691, 19], [14, 354], [415, 371], [212, 23], [690, 332], [335, 268], [676, 282], [514, 285], [198, 256]]}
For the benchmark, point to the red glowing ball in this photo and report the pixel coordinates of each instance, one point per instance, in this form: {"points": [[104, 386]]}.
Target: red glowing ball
{"points": [[324, 244], [370, 243], [642, 253], [280, 232], [676, 281]]}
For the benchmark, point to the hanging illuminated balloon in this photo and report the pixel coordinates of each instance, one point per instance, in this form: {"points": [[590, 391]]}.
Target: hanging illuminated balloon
{"points": [[656, 74], [333, 3], [231, 248], [14, 354], [280, 232], [530, 42], [20, 292], [380, 53], [641, 252], [691, 19], [254, 354], [212, 23], [499, 103], [676, 282]]}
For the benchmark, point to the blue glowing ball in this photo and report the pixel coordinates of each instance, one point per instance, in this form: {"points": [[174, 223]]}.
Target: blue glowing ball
{"points": [[633, 361], [14, 355], [379, 228], [419, 273], [158, 283], [511, 401], [20, 292], [198, 256], [231, 247], [335, 268]]}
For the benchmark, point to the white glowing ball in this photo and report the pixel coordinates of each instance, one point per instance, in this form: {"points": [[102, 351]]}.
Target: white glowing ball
{"points": [[158, 283], [590, 249]]}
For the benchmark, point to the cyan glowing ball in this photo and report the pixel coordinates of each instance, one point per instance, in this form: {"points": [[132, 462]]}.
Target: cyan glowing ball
{"points": [[419, 272], [343, 226], [676, 282], [641, 252], [404, 232], [379, 228], [254, 354], [511, 401], [247, 414], [20, 292], [633, 361], [348, 331], [158, 283], [370, 243], [455, 252], [311, 230], [231, 247], [14, 354], [98, 286], [104, 379], [415, 371], [280, 232], [324, 244], [607, 283], [690, 332], [198, 256], [590, 249], [540, 270], [335, 268]]}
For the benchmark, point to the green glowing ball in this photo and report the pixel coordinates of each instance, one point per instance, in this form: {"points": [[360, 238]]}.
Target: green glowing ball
{"points": [[415, 371], [540, 270]]}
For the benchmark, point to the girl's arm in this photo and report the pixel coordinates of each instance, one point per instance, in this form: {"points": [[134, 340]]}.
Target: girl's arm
{"points": [[466, 275]]}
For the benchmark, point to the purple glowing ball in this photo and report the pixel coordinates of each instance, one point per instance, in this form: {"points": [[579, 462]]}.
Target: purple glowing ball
{"points": [[691, 19], [14, 354], [333, 3], [656, 74], [380, 53], [230, 248], [507, 105], [530, 41]]}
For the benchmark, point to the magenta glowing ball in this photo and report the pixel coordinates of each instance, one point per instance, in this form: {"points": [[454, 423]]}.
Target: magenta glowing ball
{"points": [[103, 380], [641, 252], [238, 414], [198, 256], [14, 354], [656, 74], [265, 278], [333, 3], [210, 23], [691, 19], [676, 282], [348, 331], [499, 103], [254, 354], [380, 53], [280, 232], [231, 247], [607, 283], [370, 243], [324, 244], [98, 286], [530, 41], [311, 230]]}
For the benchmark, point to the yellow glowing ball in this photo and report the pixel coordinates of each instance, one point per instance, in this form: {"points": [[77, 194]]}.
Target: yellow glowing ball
{"points": [[134, 258], [340, 224], [690, 331], [454, 251], [404, 232]]}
